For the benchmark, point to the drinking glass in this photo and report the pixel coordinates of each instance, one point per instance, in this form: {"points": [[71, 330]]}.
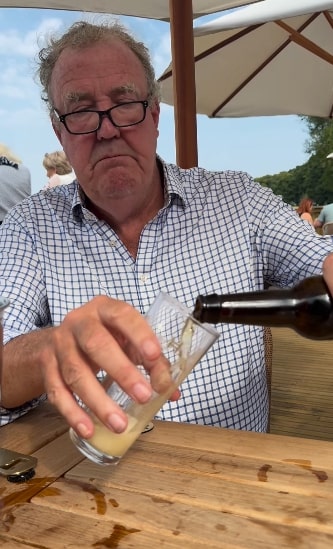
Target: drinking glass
{"points": [[184, 341]]}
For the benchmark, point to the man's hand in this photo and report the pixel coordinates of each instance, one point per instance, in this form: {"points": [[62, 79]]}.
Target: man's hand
{"points": [[328, 272], [104, 334]]}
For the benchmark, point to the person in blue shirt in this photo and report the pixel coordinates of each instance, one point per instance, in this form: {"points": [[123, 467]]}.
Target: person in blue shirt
{"points": [[81, 263], [325, 216]]}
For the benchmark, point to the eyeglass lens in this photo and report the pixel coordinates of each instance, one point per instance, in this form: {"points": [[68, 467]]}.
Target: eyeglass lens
{"points": [[123, 115]]}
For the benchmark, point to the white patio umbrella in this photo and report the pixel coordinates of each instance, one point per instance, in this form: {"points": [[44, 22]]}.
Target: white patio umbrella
{"points": [[180, 13], [271, 58], [151, 9]]}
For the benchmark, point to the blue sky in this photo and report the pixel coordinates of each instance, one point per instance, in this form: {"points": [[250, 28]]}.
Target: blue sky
{"points": [[260, 146]]}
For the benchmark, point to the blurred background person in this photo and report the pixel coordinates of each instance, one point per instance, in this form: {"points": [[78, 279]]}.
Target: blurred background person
{"points": [[58, 169], [324, 218], [15, 181], [304, 210]]}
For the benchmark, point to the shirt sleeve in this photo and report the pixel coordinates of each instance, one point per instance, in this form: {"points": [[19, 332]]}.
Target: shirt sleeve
{"points": [[321, 216], [21, 281], [9, 415], [287, 249]]}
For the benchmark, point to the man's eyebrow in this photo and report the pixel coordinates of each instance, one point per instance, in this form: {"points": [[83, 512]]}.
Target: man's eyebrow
{"points": [[75, 97], [125, 88]]}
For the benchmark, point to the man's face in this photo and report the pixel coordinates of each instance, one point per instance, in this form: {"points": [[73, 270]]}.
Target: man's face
{"points": [[112, 164]]}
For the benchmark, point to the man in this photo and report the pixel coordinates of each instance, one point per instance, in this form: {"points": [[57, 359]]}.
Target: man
{"points": [[130, 227]]}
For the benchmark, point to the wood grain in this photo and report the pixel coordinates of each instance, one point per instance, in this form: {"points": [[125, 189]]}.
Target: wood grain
{"points": [[180, 486], [302, 386]]}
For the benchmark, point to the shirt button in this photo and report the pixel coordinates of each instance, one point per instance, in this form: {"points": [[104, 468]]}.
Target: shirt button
{"points": [[143, 279], [113, 243]]}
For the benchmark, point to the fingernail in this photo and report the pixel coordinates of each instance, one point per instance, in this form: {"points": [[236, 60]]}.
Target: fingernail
{"points": [[117, 423], [163, 382], [141, 392], [150, 348], [83, 430]]}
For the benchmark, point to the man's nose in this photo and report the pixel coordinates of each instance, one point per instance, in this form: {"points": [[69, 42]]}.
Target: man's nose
{"points": [[107, 130]]}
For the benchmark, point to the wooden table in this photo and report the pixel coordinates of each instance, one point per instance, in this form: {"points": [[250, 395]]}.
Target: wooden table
{"points": [[180, 486]]}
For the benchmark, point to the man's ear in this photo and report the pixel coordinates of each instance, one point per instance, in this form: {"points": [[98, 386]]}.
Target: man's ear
{"points": [[155, 111], [56, 129]]}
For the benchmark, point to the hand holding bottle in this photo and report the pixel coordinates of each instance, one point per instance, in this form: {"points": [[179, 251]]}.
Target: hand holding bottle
{"points": [[328, 272]]}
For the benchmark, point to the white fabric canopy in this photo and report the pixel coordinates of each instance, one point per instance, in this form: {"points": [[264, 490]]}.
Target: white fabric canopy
{"points": [[152, 9], [269, 10], [180, 13], [275, 65]]}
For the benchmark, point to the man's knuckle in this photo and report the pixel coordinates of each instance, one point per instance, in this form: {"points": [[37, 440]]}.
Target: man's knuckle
{"points": [[72, 375], [93, 343], [53, 395]]}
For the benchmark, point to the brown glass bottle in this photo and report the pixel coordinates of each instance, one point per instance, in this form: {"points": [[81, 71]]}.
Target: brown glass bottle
{"points": [[307, 308]]}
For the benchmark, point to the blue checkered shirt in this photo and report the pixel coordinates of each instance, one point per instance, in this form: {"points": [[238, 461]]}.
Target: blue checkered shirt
{"points": [[217, 232]]}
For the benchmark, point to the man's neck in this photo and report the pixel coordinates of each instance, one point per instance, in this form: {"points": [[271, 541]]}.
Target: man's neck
{"points": [[128, 222]]}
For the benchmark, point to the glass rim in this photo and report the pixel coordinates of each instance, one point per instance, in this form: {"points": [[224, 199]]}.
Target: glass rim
{"points": [[186, 311]]}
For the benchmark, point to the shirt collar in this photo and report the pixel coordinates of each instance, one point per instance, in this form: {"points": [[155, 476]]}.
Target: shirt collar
{"points": [[78, 202], [173, 190], [173, 185]]}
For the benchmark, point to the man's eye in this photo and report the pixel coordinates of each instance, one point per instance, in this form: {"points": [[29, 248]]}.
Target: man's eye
{"points": [[124, 101], [82, 108]]}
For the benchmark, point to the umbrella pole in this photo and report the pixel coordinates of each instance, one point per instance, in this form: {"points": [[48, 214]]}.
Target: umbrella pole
{"points": [[181, 19]]}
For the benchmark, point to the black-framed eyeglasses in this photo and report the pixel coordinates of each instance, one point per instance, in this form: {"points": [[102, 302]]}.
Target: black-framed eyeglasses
{"points": [[89, 121]]}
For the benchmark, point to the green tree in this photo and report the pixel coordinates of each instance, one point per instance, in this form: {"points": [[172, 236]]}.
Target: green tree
{"points": [[320, 141], [315, 177]]}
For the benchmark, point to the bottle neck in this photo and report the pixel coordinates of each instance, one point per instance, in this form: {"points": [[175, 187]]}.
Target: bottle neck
{"points": [[307, 308]]}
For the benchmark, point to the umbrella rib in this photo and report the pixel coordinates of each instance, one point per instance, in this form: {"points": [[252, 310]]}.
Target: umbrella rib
{"points": [[329, 18], [226, 42], [330, 21], [306, 43], [215, 48], [250, 77], [271, 57]]}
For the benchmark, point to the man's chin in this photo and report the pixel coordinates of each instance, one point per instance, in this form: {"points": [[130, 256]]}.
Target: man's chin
{"points": [[116, 186]]}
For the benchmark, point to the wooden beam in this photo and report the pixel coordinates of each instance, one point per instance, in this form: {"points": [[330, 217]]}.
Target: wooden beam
{"points": [[305, 42], [181, 19]]}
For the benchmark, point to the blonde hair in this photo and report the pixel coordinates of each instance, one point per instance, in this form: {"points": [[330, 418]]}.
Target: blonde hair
{"points": [[82, 35], [5, 151], [58, 161]]}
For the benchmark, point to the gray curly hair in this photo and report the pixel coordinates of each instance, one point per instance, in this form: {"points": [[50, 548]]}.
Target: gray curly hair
{"points": [[82, 34]]}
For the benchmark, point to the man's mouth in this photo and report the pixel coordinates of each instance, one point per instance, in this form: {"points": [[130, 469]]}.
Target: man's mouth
{"points": [[111, 157]]}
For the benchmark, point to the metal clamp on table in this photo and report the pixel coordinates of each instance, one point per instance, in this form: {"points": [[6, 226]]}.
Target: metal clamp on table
{"points": [[16, 467]]}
